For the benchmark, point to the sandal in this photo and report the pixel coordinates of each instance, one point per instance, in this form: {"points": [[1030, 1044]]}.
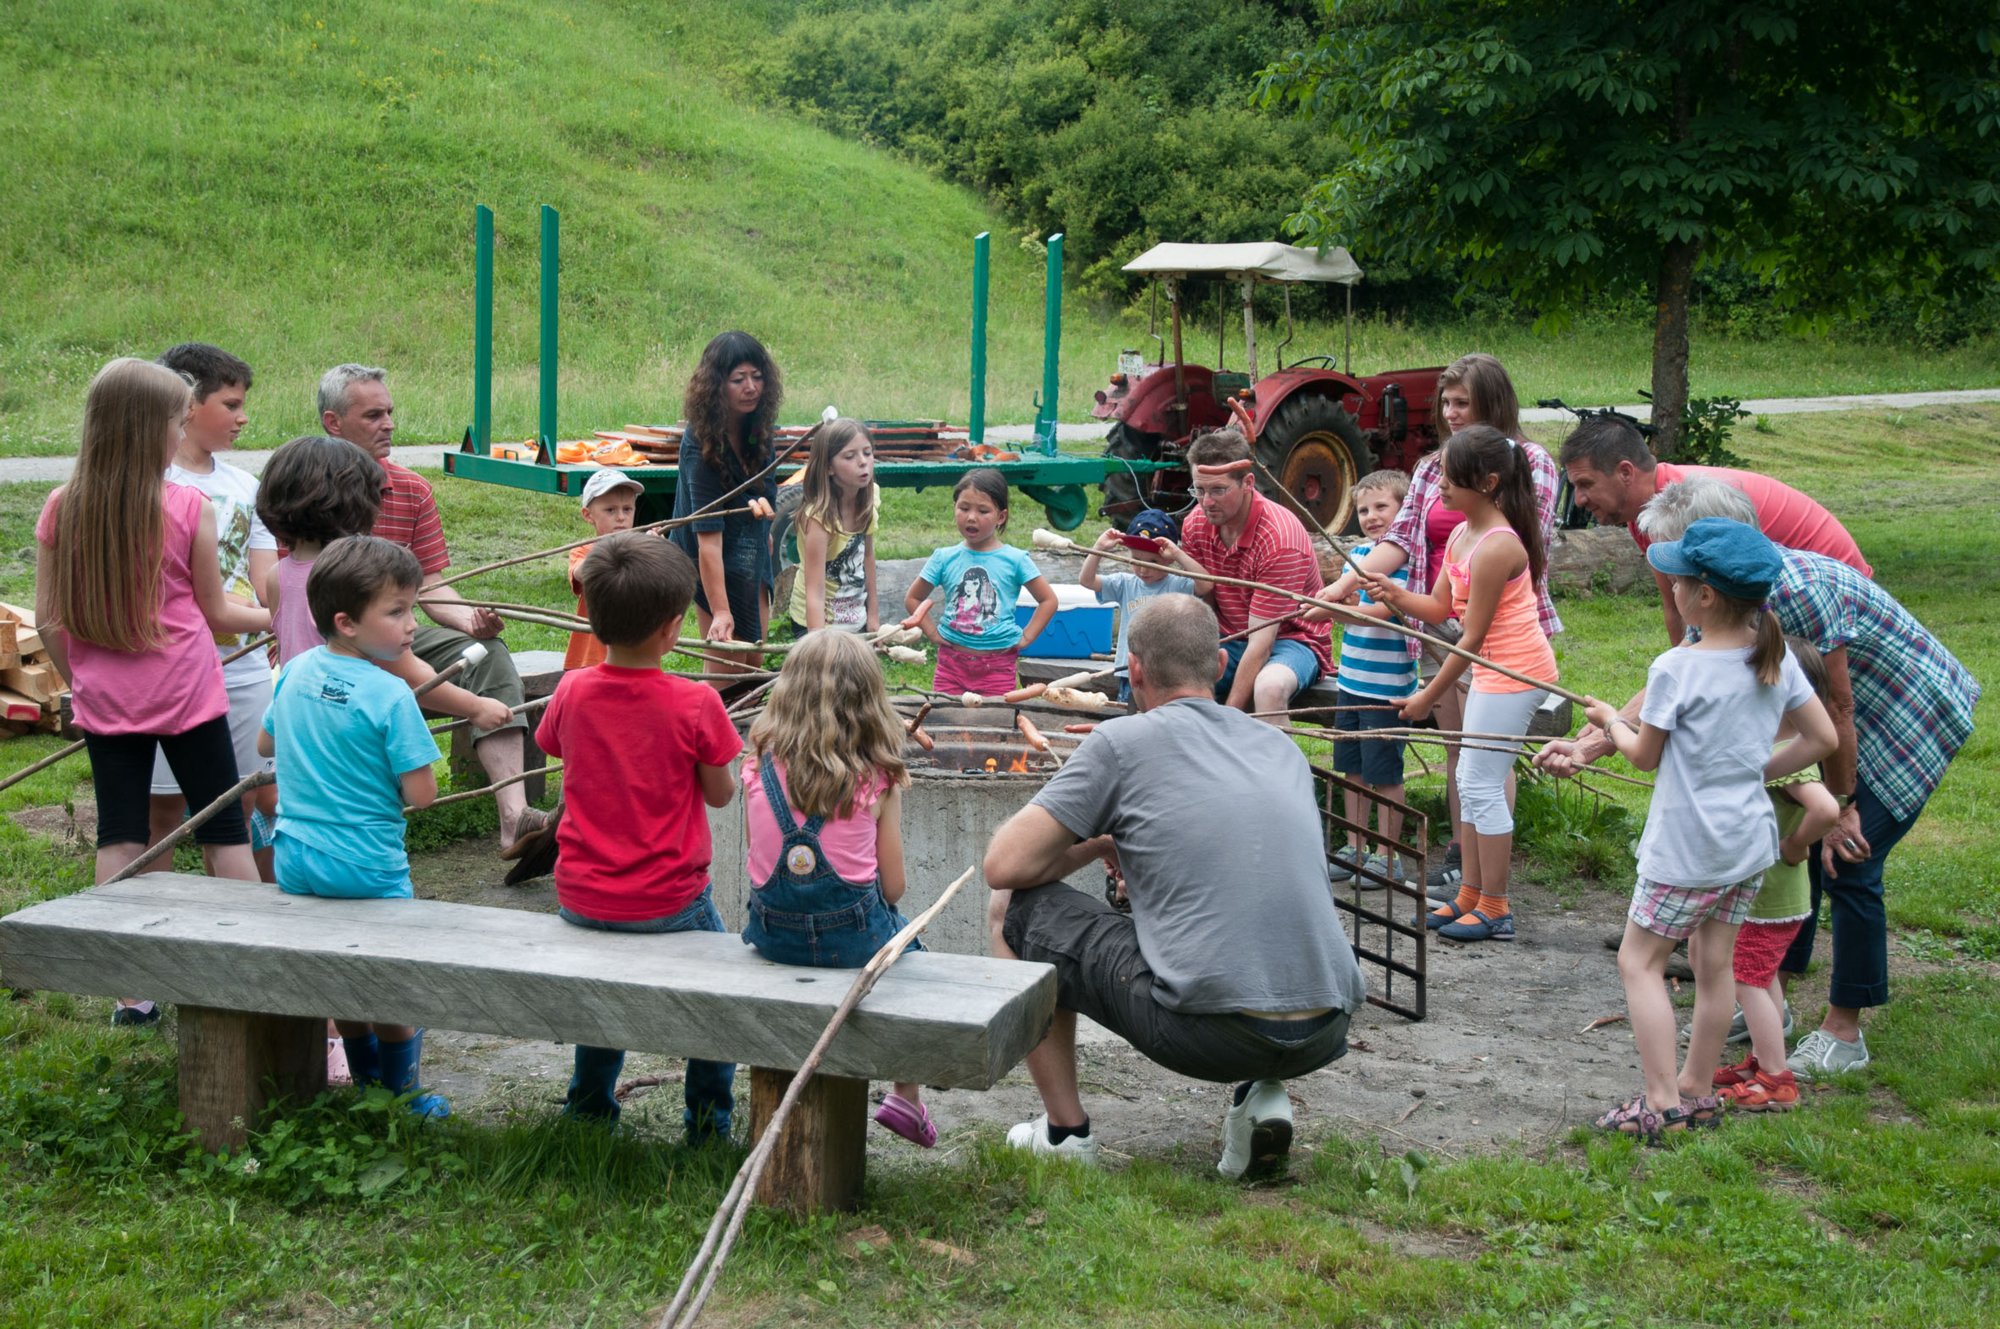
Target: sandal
{"points": [[1743, 1072], [1634, 1118], [1443, 914], [1704, 1111], [910, 1120]]}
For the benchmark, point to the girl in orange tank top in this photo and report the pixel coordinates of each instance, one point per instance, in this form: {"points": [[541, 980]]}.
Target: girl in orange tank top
{"points": [[1489, 586]]}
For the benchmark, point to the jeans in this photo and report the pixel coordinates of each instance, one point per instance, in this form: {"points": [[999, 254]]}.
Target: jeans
{"points": [[708, 1087], [1293, 655], [1860, 926]]}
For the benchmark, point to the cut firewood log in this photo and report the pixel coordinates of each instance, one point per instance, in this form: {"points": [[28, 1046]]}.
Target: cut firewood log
{"points": [[37, 681], [14, 706]]}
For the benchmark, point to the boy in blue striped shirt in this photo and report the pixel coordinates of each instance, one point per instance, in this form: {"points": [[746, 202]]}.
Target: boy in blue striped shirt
{"points": [[1376, 670]]}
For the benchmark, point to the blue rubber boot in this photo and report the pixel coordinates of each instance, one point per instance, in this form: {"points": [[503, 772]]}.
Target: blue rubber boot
{"points": [[399, 1073], [364, 1059]]}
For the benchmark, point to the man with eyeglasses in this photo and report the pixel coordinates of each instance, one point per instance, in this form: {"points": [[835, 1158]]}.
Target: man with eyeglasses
{"points": [[1237, 532]]}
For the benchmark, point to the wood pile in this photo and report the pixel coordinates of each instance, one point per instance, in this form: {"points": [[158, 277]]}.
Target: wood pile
{"points": [[660, 445], [31, 690]]}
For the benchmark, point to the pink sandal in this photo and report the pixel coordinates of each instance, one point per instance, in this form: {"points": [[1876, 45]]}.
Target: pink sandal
{"points": [[910, 1120]]}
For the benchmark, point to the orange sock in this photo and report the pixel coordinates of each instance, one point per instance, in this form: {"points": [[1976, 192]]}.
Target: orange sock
{"points": [[1491, 905], [1468, 900]]}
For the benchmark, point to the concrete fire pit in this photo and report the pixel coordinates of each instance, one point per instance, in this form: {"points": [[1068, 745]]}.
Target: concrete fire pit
{"points": [[955, 802]]}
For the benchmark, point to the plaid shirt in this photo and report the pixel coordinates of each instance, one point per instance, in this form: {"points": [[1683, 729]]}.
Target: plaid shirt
{"points": [[1274, 549], [409, 517], [1408, 530], [1912, 699]]}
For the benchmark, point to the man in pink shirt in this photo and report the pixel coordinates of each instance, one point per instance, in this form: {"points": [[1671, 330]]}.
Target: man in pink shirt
{"points": [[1613, 474], [1237, 532]]}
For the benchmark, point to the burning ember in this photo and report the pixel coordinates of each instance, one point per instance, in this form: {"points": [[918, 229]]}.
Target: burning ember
{"points": [[979, 741]]}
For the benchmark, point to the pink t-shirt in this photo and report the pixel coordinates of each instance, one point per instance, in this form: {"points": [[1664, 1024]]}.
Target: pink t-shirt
{"points": [[293, 623], [1789, 518], [1439, 522], [168, 689], [848, 842]]}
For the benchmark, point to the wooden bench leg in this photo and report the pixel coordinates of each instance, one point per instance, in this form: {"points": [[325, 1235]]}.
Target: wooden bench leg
{"points": [[234, 1063], [818, 1162]]}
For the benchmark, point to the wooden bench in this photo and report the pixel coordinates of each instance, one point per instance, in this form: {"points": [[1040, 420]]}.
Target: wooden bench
{"points": [[255, 973]]}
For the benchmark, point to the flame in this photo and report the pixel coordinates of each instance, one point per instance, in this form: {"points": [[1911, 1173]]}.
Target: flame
{"points": [[1018, 766], [992, 765]]}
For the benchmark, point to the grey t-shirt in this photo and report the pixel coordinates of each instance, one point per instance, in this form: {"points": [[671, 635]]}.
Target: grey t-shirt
{"points": [[1219, 837]]}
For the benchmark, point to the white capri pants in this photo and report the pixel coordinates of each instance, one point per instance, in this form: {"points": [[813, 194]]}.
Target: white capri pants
{"points": [[1482, 771]]}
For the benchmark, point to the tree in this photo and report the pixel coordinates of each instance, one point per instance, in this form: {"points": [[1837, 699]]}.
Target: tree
{"points": [[1555, 148]]}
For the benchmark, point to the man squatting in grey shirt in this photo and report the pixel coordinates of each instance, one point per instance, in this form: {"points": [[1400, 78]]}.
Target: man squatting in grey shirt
{"points": [[1232, 965]]}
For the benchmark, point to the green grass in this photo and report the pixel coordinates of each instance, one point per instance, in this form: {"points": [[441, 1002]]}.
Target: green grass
{"points": [[297, 184], [1878, 1203]]}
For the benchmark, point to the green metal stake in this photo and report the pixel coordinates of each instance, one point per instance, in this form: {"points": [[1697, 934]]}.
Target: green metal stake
{"points": [[482, 330], [1045, 408], [551, 239], [976, 427]]}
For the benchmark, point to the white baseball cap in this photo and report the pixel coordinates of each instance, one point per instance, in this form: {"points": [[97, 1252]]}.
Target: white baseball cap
{"points": [[606, 480]]}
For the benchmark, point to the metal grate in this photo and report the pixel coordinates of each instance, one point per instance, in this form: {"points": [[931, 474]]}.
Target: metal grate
{"points": [[1384, 910]]}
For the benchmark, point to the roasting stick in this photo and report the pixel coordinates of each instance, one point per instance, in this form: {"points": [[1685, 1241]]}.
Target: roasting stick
{"points": [[1045, 539], [1449, 740], [736, 1204], [200, 819], [248, 647]]}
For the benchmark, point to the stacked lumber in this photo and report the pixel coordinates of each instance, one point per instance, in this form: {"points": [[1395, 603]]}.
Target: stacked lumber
{"points": [[31, 690], [921, 440]]}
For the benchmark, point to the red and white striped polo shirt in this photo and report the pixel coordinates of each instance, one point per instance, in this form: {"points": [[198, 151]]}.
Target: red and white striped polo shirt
{"points": [[409, 517], [1274, 548]]}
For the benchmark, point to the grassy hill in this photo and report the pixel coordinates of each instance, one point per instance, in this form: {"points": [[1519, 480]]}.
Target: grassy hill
{"points": [[296, 182]]}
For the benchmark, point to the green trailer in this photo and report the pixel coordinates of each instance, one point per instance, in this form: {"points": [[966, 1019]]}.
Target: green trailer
{"points": [[1061, 484]]}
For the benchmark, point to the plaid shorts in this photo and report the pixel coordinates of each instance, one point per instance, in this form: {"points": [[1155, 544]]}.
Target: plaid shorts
{"points": [[1676, 911]]}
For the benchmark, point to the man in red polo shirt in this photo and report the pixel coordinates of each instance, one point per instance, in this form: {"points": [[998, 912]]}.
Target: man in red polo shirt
{"points": [[1613, 474], [354, 404], [1237, 532]]}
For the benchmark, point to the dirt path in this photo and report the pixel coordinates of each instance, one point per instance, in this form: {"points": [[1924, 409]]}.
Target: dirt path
{"points": [[1501, 1062]]}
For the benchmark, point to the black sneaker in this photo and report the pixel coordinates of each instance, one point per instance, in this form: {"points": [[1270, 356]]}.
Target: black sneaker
{"points": [[1442, 882]]}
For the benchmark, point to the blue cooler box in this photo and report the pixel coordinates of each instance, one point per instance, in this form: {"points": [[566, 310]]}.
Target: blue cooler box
{"points": [[1081, 628]]}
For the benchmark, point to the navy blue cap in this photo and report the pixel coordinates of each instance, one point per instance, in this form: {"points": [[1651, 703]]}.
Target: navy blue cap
{"points": [[1154, 524], [1738, 560]]}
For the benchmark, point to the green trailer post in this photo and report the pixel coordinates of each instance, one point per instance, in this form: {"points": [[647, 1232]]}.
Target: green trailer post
{"points": [[1060, 484]]}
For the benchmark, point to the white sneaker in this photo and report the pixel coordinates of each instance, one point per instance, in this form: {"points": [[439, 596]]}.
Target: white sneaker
{"points": [[1034, 1136], [1819, 1054], [1257, 1133]]}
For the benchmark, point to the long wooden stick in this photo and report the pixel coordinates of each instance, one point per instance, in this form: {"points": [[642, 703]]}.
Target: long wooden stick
{"points": [[736, 1204], [190, 826], [1431, 737], [522, 709], [467, 795], [248, 647], [1045, 539], [41, 765]]}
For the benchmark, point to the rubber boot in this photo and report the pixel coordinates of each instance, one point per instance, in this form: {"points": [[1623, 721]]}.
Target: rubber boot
{"points": [[364, 1059], [399, 1073]]}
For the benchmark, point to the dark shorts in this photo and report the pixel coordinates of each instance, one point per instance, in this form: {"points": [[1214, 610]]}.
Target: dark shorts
{"points": [[1100, 973], [1373, 761], [203, 761]]}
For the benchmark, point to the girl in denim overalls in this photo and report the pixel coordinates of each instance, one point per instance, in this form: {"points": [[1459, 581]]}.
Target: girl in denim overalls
{"points": [[823, 798]]}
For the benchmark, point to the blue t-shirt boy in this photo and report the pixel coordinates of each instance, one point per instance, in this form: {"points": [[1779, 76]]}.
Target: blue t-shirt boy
{"points": [[1128, 592], [977, 589], [346, 732]]}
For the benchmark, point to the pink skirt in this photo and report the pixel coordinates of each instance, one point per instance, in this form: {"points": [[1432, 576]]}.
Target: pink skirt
{"points": [[988, 673]]}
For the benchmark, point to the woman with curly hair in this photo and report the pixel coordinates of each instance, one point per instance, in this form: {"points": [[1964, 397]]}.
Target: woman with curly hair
{"points": [[731, 406]]}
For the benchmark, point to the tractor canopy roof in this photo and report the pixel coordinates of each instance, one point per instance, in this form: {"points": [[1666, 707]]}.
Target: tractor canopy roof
{"points": [[1269, 261]]}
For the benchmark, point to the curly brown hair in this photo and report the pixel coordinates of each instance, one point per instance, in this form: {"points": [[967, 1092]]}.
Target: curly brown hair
{"points": [[706, 405]]}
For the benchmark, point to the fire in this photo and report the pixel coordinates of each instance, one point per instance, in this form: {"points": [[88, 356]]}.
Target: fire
{"points": [[992, 765], [1018, 766]]}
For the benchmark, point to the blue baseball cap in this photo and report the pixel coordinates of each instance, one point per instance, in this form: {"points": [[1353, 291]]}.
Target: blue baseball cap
{"points": [[1153, 524], [1738, 560]]}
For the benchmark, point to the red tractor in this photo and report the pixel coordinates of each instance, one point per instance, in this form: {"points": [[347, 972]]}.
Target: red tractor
{"points": [[1319, 429]]}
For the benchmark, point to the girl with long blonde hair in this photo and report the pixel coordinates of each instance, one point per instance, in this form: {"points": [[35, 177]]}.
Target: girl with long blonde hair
{"points": [[128, 592], [835, 586], [823, 801]]}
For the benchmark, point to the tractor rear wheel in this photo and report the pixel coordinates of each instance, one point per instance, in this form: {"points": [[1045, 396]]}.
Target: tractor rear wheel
{"points": [[1314, 448], [1126, 492]]}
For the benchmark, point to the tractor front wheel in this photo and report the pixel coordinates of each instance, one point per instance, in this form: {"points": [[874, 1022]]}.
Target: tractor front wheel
{"points": [[1127, 492], [1314, 448]]}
